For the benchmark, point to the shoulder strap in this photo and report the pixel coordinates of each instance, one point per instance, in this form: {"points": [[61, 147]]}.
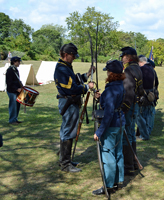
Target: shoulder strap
{"points": [[16, 74]]}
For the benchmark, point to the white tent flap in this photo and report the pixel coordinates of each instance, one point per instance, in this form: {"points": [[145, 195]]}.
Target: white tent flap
{"points": [[27, 75], [45, 74]]}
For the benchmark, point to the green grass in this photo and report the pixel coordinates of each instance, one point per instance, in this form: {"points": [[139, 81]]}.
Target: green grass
{"points": [[29, 164]]}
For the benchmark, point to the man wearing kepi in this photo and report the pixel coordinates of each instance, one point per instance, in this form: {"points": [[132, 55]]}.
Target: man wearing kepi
{"points": [[110, 132], [145, 117], [69, 102], [13, 89], [133, 85]]}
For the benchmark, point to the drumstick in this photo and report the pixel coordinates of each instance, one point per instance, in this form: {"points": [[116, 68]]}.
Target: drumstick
{"points": [[24, 108]]}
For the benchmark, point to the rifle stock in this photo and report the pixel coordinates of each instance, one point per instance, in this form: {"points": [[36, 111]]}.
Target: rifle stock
{"points": [[135, 157], [80, 122]]}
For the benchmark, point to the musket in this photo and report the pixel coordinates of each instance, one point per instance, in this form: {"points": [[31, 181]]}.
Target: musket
{"points": [[90, 39], [80, 122], [86, 101], [96, 55], [135, 157], [96, 124]]}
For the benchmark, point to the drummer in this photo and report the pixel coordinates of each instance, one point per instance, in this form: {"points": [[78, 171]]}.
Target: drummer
{"points": [[13, 89]]}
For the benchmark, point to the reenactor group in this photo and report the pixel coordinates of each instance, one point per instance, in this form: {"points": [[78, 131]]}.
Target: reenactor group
{"points": [[128, 101]]}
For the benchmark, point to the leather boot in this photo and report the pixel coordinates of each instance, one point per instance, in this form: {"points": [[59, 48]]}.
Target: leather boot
{"points": [[65, 156], [134, 161], [99, 191], [137, 132], [128, 161]]}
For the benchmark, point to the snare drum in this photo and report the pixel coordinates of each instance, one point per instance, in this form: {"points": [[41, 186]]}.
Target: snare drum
{"points": [[27, 96]]}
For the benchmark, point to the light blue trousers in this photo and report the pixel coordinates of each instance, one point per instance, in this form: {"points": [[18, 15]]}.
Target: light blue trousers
{"points": [[70, 120], [145, 121], [14, 107], [112, 156]]}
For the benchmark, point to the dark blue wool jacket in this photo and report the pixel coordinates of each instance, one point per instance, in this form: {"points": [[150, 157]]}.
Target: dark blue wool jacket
{"points": [[149, 74], [65, 80], [11, 79], [110, 100]]}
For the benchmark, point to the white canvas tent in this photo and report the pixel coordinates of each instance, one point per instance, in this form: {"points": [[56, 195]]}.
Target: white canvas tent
{"points": [[27, 75], [45, 74], [3, 77], [26, 72]]}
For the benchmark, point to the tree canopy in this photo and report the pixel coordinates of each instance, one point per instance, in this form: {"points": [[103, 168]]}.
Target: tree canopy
{"points": [[45, 43], [5, 23]]}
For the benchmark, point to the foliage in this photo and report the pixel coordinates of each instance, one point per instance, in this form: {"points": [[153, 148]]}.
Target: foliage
{"points": [[48, 40], [20, 43], [5, 23], [79, 26], [62, 30], [158, 50], [18, 27]]}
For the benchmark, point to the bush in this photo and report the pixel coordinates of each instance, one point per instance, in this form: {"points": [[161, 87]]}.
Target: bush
{"points": [[31, 54], [103, 59], [26, 57], [44, 57]]}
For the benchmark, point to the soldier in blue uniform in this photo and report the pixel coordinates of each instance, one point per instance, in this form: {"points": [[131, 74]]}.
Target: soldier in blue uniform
{"points": [[110, 132], [13, 89], [145, 117], [130, 107], [69, 90]]}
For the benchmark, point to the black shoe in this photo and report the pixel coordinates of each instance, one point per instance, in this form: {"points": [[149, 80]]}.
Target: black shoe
{"points": [[14, 123], [99, 191], [19, 122], [70, 168], [74, 163]]}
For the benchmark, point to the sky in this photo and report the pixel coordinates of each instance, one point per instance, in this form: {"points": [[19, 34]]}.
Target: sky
{"points": [[144, 16]]}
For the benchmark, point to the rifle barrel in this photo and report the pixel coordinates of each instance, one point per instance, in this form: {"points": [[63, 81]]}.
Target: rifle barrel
{"points": [[80, 122]]}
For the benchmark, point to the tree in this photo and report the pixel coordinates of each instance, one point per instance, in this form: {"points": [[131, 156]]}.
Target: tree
{"points": [[79, 26], [158, 50], [5, 23], [18, 27], [45, 37], [62, 30], [20, 43]]}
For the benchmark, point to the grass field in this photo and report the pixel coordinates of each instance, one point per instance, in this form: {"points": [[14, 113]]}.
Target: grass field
{"points": [[29, 165]]}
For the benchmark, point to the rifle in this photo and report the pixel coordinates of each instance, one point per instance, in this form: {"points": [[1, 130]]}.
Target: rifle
{"points": [[80, 122], [135, 157], [86, 101]]}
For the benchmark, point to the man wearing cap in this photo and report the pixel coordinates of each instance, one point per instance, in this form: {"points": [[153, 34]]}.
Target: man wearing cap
{"points": [[130, 106], [13, 89], [110, 132], [145, 116], [66, 83]]}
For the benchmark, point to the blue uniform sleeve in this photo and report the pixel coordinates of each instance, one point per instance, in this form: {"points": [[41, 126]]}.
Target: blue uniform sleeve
{"points": [[66, 82], [108, 100]]}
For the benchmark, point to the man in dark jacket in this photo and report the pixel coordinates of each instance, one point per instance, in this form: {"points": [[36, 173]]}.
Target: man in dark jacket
{"points": [[130, 107], [145, 116], [13, 89], [66, 83]]}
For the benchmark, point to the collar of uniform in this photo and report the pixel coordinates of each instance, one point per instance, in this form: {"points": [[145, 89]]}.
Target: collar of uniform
{"points": [[14, 68], [64, 62], [133, 63], [118, 82]]}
